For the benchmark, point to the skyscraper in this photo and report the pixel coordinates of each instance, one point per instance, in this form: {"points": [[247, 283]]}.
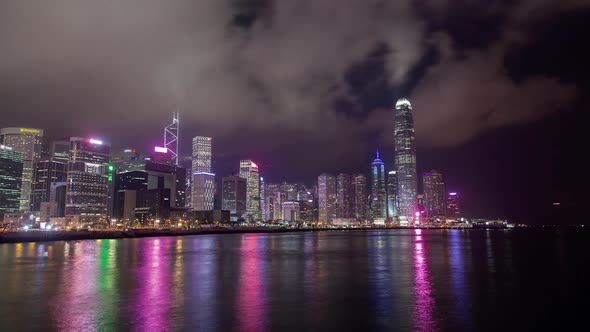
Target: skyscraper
{"points": [[392, 203], [345, 196], [28, 141], [434, 193], [291, 211], [87, 180], [48, 172], [249, 171], [203, 180], [359, 183], [233, 196], [272, 201], [405, 156], [378, 194], [453, 205], [327, 198], [11, 172]]}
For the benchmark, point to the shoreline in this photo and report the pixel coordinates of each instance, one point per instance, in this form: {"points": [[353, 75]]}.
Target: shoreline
{"points": [[45, 236]]}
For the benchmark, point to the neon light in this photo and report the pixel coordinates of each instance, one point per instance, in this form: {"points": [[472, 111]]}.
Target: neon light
{"points": [[203, 173], [417, 213], [160, 149], [392, 172], [95, 141], [30, 130], [4, 147], [252, 164], [127, 151], [453, 194]]}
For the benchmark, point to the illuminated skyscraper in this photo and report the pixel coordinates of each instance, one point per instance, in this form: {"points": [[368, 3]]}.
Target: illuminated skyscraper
{"points": [[233, 196], [87, 180], [359, 183], [249, 171], [453, 205], [27, 141], [11, 172], [392, 204], [291, 211], [273, 201], [434, 193], [327, 198], [49, 172], [378, 194], [203, 180], [345, 196], [405, 156]]}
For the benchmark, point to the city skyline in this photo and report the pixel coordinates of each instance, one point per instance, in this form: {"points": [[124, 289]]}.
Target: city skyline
{"points": [[459, 65]]}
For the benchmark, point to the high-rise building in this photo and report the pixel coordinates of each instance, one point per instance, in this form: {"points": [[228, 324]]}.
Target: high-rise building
{"points": [[233, 196], [272, 201], [263, 214], [203, 181], [148, 190], [87, 180], [434, 193], [344, 194], [359, 183], [378, 200], [249, 171], [291, 211], [48, 171], [327, 198], [392, 203], [29, 142], [405, 157], [11, 172], [453, 205]]}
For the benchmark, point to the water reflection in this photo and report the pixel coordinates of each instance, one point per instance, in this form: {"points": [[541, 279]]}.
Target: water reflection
{"points": [[459, 282], [252, 292], [77, 305], [153, 296], [425, 303]]}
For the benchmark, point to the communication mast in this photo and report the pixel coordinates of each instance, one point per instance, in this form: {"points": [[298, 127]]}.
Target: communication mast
{"points": [[171, 135]]}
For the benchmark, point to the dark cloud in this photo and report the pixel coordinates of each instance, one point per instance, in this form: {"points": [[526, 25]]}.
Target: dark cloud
{"points": [[275, 68]]}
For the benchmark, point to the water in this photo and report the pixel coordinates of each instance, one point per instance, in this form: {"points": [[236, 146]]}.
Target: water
{"points": [[422, 280]]}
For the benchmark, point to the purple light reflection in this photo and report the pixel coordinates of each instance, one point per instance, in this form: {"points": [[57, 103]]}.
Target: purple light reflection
{"points": [[153, 296], [251, 298], [78, 310], [425, 303]]}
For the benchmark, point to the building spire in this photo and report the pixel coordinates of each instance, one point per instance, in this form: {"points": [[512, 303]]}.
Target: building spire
{"points": [[378, 153]]}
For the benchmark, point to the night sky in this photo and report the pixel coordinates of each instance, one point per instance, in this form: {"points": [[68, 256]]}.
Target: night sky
{"points": [[499, 88]]}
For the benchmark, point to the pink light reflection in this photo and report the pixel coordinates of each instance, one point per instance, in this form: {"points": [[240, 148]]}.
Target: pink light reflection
{"points": [[251, 297], [153, 296], [78, 304], [425, 303]]}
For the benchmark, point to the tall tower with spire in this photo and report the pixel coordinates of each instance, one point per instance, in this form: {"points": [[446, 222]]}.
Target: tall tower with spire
{"points": [[378, 200], [405, 157]]}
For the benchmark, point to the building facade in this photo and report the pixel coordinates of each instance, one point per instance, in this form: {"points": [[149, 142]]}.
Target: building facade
{"points": [[233, 196], [392, 203], [378, 200], [327, 198], [203, 180], [291, 211], [249, 171], [29, 142], [434, 193], [87, 180], [361, 201], [345, 196], [405, 157], [11, 172], [454, 205]]}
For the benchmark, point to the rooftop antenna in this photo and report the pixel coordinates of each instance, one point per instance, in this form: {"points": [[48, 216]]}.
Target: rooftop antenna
{"points": [[171, 136]]}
